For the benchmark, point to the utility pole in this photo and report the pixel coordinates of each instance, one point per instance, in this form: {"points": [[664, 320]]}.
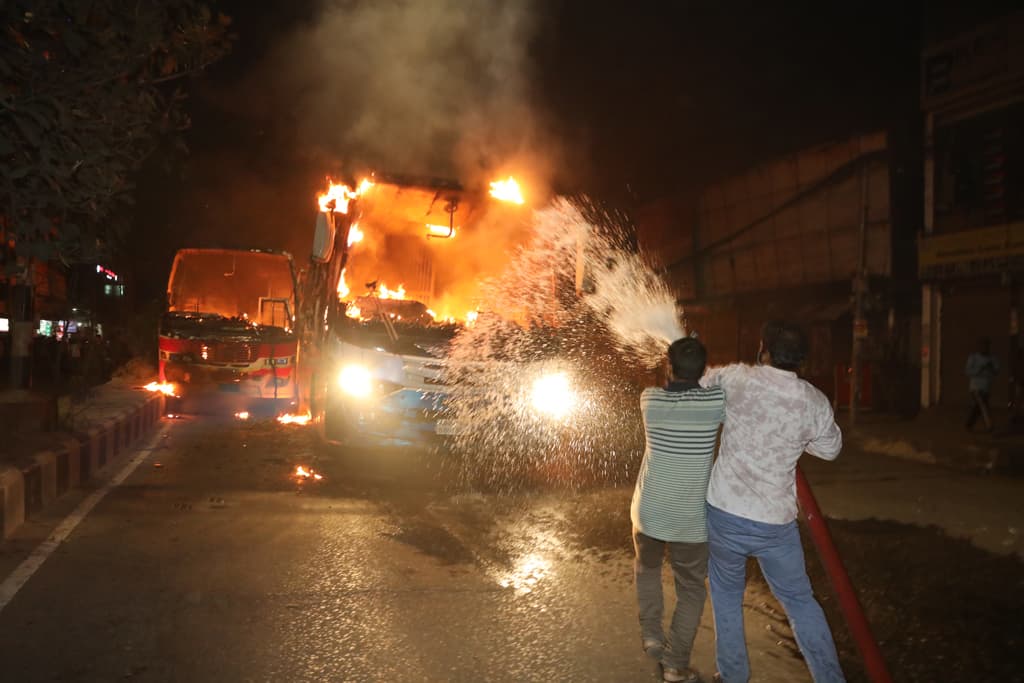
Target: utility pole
{"points": [[860, 285]]}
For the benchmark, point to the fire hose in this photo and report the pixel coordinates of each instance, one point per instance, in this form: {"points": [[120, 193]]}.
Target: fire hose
{"points": [[850, 606]]}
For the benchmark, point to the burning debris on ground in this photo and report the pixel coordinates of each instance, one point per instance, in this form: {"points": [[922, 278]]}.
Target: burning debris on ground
{"points": [[307, 473], [300, 419], [165, 388]]}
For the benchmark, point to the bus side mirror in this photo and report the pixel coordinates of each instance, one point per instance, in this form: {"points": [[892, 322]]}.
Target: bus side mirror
{"points": [[323, 238]]}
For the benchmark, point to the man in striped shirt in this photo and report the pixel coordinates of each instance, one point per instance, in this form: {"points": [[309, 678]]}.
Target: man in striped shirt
{"points": [[681, 424]]}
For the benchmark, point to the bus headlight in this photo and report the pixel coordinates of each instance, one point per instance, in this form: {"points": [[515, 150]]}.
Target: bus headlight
{"points": [[552, 395], [356, 381]]}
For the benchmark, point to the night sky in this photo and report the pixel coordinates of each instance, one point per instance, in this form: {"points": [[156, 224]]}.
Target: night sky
{"points": [[627, 102]]}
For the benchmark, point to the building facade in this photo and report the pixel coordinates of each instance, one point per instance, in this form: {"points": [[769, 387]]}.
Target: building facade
{"points": [[971, 251], [807, 237]]}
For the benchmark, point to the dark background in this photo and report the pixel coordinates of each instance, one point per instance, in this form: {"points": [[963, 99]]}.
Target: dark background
{"points": [[627, 102]]}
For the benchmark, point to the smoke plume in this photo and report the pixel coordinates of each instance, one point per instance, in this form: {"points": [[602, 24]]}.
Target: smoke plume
{"points": [[436, 88]]}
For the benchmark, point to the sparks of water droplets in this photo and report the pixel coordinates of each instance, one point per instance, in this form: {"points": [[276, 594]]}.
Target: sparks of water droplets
{"points": [[548, 391]]}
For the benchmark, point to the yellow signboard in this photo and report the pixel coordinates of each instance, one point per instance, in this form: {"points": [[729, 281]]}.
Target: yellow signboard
{"points": [[972, 251]]}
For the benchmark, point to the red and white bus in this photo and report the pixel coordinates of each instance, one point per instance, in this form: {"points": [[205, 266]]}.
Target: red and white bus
{"points": [[228, 330]]}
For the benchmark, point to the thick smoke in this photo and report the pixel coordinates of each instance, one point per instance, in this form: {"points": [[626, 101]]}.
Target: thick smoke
{"points": [[435, 88]]}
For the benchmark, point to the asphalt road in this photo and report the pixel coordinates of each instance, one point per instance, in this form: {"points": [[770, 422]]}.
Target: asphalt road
{"points": [[211, 561]]}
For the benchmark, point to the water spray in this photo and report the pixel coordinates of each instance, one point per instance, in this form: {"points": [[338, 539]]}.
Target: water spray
{"points": [[592, 317]]}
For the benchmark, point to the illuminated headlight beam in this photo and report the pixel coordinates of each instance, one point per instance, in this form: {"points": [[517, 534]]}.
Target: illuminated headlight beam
{"points": [[552, 395], [355, 380]]}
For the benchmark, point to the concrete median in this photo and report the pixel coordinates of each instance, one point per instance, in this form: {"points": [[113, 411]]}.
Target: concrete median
{"points": [[26, 490]]}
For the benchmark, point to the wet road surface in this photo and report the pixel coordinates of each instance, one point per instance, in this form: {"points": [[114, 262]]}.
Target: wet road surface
{"points": [[212, 562]]}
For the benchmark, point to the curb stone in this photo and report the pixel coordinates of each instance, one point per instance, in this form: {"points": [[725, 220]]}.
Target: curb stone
{"points": [[12, 490], [26, 491]]}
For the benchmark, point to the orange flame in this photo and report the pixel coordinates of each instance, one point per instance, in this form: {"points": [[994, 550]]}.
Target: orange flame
{"points": [[384, 293], [165, 388], [507, 191], [355, 235], [471, 317], [242, 415], [341, 195], [343, 290], [353, 311], [293, 419]]}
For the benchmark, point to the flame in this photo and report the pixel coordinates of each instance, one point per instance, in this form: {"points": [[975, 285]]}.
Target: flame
{"points": [[343, 290], [434, 230], [507, 191], [353, 311], [384, 293], [165, 388], [341, 195], [355, 235], [470, 317], [242, 415], [304, 473], [293, 419]]}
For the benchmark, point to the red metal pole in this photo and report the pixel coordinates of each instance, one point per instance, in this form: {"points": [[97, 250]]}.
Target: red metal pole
{"points": [[857, 622]]}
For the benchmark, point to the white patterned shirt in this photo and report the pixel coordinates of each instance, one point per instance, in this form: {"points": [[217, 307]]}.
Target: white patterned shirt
{"points": [[771, 417]]}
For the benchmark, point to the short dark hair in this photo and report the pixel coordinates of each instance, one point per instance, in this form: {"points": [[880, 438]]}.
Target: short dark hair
{"points": [[786, 343], [687, 357]]}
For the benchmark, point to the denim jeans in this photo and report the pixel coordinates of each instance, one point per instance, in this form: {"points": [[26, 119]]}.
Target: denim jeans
{"points": [[731, 540], [689, 566]]}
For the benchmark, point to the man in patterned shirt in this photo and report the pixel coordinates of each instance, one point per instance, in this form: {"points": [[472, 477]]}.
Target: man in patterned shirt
{"points": [[771, 417], [668, 511]]}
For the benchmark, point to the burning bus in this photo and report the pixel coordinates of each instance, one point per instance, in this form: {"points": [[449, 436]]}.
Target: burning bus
{"points": [[405, 258], [227, 332]]}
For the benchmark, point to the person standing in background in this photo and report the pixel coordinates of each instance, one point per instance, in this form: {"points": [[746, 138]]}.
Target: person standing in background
{"points": [[982, 367]]}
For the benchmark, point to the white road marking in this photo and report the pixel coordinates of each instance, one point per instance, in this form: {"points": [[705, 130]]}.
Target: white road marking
{"points": [[24, 571]]}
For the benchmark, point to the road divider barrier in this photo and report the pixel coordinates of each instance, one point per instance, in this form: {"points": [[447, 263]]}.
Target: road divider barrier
{"points": [[25, 491]]}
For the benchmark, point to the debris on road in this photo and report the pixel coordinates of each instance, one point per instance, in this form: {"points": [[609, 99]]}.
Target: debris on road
{"points": [[307, 473], [294, 419]]}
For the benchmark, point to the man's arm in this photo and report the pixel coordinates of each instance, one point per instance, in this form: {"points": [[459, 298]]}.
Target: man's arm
{"points": [[721, 375], [828, 439]]}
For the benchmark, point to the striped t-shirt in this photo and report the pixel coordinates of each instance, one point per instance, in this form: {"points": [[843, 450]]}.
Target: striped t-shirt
{"points": [[681, 428]]}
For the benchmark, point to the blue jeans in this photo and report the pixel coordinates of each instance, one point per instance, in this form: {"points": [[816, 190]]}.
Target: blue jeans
{"points": [[731, 540]]}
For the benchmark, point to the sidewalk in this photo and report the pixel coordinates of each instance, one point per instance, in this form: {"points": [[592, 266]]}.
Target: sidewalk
{"points": [[937, 436], [48, 449]]}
